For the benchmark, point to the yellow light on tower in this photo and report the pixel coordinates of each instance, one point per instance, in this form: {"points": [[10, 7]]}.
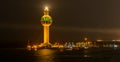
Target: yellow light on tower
{"points": [[46, 21], [46, 8]]}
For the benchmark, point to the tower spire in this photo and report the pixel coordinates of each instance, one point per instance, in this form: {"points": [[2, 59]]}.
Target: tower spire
{"points": [[46, 11]]}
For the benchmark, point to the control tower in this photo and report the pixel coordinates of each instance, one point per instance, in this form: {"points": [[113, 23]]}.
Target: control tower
{"points": [[46, 21]]}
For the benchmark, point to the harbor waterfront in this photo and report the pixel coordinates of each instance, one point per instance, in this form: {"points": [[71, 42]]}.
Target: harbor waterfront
{"points": [[75, 31], [85, 44], [46, 21]]}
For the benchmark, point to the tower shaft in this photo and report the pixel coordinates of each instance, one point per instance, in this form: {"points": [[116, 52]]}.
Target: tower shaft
{"points": [[46, 34]]}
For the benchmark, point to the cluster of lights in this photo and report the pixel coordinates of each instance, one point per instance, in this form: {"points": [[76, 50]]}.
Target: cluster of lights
{"points": [[115, 40]]}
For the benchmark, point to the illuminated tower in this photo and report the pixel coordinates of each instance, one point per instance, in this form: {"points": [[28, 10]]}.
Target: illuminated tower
{"points": [[46, 21]]}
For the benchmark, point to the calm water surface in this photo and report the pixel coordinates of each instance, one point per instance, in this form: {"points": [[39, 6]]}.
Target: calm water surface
{"points": [[60, 55]]}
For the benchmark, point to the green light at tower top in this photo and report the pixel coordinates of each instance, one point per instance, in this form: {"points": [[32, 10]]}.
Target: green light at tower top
{"points": [[46, 16], [46, 19]]}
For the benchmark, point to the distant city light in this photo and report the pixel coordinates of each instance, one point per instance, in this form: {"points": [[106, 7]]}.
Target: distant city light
{"points": [[99, 40], [115, 40], [115, 45]]}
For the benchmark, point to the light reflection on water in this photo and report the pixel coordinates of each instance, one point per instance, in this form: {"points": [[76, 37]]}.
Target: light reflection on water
{"points": [[61, 55], [86, 53], [50, 55], [45, 55]]}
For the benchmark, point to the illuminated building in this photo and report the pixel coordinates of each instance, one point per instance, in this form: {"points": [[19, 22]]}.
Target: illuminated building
{"points": [[46, 21]]}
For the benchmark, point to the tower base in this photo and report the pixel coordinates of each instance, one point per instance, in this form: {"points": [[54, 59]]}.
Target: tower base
{"points": [[47, 45]]}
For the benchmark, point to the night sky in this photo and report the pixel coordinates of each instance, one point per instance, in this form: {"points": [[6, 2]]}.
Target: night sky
{"points": [[72, 19]]}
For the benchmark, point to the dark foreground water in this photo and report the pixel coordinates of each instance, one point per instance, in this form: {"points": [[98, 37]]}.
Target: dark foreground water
{"points": [[60, 55]]}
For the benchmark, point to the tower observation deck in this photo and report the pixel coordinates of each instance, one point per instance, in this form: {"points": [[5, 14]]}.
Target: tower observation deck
{"points": [[46, 21]]}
